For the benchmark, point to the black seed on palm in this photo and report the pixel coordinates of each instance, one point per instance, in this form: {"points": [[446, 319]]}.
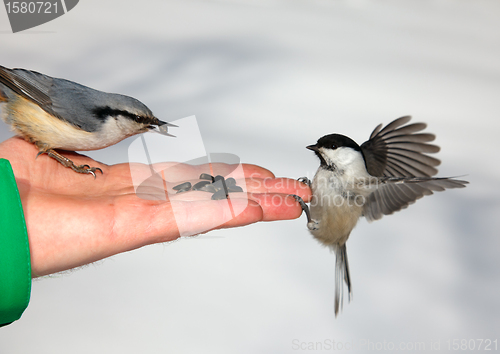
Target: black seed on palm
{"points": [[184, 186]]}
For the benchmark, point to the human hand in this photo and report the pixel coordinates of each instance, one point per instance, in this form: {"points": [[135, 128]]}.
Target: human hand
{"points": [[73, 219]]}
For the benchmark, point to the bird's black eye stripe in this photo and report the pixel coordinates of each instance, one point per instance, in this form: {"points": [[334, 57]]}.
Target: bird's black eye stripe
{"points": [[102, 113]]}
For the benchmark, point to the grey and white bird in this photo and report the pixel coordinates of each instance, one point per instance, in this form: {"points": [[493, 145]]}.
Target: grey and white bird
{"points": [[55, 113], [385, 174]]}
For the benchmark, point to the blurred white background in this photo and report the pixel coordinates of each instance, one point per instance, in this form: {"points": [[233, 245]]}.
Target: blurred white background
{"points": [[265, 79]]}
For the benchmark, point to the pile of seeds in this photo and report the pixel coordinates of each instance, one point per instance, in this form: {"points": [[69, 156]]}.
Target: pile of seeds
{"points": [[218, 186]]}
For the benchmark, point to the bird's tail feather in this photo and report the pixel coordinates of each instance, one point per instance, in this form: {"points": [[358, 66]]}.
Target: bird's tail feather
{"points": [[341, 275]]}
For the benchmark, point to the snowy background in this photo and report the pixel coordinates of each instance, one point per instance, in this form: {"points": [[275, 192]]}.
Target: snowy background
{"points": [[265, 79]]}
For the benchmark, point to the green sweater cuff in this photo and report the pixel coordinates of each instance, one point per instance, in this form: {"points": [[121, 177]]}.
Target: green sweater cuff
{"points": [[15, 263]]}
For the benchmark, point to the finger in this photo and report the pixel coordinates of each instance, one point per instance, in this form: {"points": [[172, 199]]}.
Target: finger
{"points": [[195, 217], [252, 213], [156, 190], [277, 206], [142, 176], [181, 172], [254, 171], [262, 207], [279, 185]]}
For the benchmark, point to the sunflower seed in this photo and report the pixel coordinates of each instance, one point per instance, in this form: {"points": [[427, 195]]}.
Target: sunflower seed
{"points": [[234, 189], [182, 190], [219, 195], [207, 177], [185, 185], [230, 181], [220, 181], [208, 188], [198, 186]]}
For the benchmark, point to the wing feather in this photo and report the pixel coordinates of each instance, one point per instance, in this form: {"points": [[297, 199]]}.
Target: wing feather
{"points": [[28, 84], [398, 154]]}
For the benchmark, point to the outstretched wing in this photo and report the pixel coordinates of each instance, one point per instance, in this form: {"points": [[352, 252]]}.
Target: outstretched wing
{"points": [[396, 193], [398, 152]]}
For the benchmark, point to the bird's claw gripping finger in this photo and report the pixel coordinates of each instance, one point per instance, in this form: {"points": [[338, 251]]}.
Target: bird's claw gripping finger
{"points": [[304, 206], [304, 180], [86, 169]]}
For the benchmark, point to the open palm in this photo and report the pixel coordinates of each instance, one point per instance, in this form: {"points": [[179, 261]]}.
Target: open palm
{"points": [[74, 219]]}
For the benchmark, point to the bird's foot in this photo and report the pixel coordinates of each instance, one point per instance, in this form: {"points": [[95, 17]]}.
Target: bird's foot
{"points": [[86, 169], [313, 225], [304, 207], [305, 180]]}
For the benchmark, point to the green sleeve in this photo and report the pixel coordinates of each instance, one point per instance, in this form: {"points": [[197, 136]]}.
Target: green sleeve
{"points": [[15, 264]]}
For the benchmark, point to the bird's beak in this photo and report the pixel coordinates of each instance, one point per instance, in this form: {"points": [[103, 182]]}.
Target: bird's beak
{"points": [[162, 128], [313, 147]]}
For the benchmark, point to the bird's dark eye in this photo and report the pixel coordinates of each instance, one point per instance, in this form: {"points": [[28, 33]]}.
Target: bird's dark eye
{"points": [[333, 146]]}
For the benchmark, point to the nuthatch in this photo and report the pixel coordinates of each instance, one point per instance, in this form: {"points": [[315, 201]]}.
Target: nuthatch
{"points": [[385, 174], [55, 113]]}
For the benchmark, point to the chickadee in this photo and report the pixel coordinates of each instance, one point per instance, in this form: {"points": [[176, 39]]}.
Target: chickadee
{"points": [[385, 174], [60, 114]]}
